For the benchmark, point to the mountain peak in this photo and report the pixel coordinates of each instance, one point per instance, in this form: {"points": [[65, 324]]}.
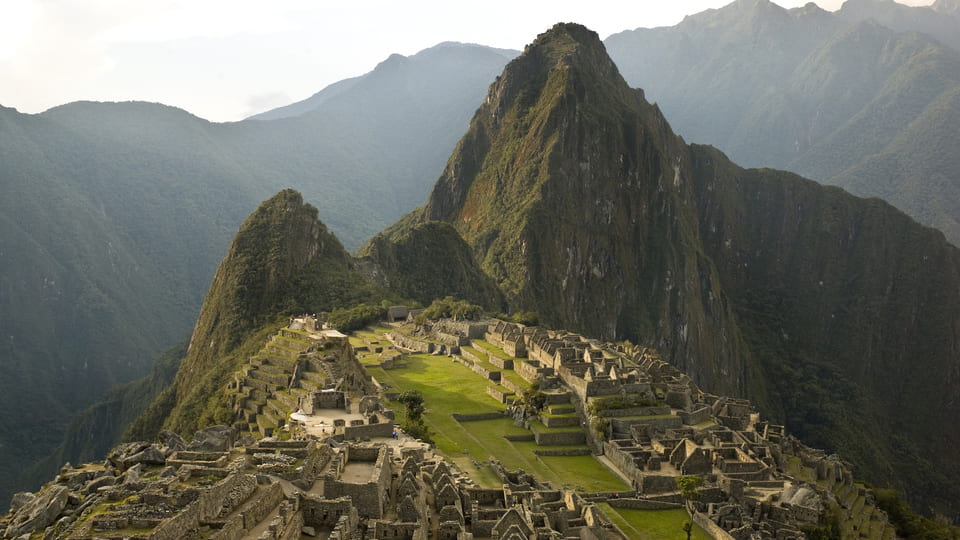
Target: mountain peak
{"points": [[949, 7], [564, 71], [568, 44]]}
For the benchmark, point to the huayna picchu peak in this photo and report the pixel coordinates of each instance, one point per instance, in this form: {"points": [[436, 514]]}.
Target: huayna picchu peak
{"points": [[701, 328]]}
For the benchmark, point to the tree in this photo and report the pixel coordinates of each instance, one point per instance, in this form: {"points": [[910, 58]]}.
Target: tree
{"points": [[689, 486], [413, 425], [413, 400]]}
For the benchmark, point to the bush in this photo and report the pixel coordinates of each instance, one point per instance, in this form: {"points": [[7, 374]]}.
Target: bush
{"points": [[450, 308], [357, 317]]}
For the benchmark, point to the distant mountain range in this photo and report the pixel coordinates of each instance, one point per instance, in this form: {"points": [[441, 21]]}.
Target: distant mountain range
{"points": [[837, 97]]}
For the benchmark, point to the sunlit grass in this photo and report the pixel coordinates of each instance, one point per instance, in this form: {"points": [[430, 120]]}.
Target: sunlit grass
{"points": [[653, 524], [449, 387]]}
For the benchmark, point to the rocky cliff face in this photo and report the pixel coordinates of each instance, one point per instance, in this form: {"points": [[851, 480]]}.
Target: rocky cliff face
{"points": [[838, 315], [577, 199]]}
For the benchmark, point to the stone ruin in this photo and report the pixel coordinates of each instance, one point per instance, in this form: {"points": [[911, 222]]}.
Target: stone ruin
{"points": [[647, 418], [654, 424], [273, 490]]}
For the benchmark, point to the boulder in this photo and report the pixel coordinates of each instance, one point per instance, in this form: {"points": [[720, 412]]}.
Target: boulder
{"points": [[133, 474], [40, 512], [97, 483], [213, 439], [20, 499], [172, 442], [151, 455], [123, 451]]}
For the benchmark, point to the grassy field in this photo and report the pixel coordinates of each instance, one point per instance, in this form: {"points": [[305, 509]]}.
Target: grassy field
{"points": [[449, 387], [652, 524]]}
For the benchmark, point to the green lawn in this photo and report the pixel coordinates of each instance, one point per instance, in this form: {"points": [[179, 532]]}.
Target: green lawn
{"points": [[653, 524], [449, 387]]}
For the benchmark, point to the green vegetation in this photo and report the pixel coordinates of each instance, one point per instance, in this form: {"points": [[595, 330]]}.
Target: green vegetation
{"points": [[689, 487], [429, 261], [282, 261], [450, 308], [413, 422], [356, 317], [652, 524], [911, 525]]}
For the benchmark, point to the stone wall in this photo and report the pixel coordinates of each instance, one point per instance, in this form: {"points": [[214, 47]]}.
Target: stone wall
{"points": [[697, 416], [177, 527], [566, 453], [323, 400], [211, 500], [326, 513], [261, 505], [635, 411], [232, 529], [513, 387], [710, 527], [559, 438], [622, 425], [530, 370], [500, 395], [382, 429], [404, 341], [398, 531], [657, 483], [478, 368], [476, 417], [643, 504], [369, 497]]}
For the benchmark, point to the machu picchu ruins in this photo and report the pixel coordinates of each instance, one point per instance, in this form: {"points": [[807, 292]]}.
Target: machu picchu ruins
{"points": [[316, 452]]}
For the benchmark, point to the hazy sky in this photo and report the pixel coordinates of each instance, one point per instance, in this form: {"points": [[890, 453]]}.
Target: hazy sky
{"points": [[226, 59]]}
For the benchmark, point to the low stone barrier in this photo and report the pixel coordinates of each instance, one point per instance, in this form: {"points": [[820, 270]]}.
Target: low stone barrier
{"points": [[643, 504], [566, 453], [500, 395], [711, 528], [560, 421], [476, 417], [635, 411], [559, 438]]}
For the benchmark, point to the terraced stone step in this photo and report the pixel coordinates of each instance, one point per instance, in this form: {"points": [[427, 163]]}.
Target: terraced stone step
{"points": [[293, 343], [561, 409], [274, 349], [309, 386], [560, 421], [315, 376], [275, 379], [289, 401]]}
